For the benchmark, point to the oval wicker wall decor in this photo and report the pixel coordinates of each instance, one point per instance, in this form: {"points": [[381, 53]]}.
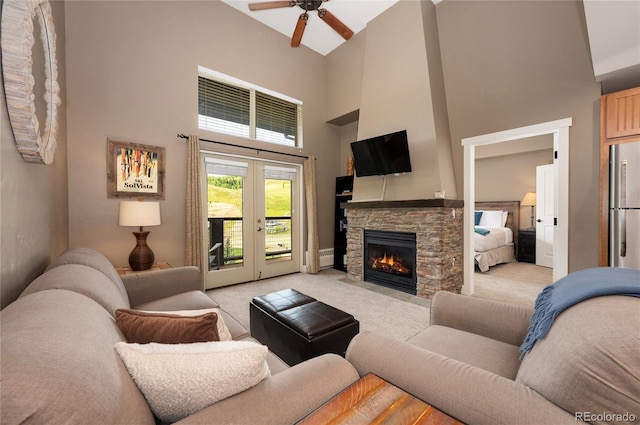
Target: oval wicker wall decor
{"points": [[18, 18]]}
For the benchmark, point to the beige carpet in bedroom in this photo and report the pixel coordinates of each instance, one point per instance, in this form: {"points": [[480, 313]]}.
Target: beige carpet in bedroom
{"points": [[513, 282]]}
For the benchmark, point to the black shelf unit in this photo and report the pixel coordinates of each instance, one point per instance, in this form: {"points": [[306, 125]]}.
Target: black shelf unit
{"points": [[344, 188]]}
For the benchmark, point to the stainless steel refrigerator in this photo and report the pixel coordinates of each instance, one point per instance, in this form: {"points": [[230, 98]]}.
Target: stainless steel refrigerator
{"points": [[624, 206]]}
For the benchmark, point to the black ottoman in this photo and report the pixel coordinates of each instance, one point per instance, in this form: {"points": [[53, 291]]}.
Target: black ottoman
{"points": [[297, 327]]}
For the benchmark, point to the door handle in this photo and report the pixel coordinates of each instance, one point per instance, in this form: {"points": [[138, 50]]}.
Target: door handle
{"points": [[539, 220], [259, 229], [623, 233]]}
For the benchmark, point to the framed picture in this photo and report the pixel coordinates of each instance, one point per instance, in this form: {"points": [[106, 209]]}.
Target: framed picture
{"points": [[135, 170]]}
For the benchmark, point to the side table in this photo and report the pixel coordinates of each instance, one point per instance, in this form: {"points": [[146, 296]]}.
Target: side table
{"points": [[156, 266], [372, 400], [527, 246]]}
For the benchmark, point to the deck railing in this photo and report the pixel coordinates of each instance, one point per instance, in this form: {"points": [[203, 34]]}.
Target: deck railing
{"points": [[225, 240]]}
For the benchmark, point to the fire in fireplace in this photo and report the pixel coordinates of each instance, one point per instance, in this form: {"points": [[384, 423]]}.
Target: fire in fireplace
{"points": [[390, 259], [390, 264]]}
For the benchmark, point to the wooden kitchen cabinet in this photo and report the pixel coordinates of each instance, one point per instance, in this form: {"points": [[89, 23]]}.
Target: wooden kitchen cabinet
{"points": [[622, 114], [619, 123]]}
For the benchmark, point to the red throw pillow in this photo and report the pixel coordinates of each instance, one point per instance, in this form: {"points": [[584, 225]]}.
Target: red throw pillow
{"points": [[142, 327]]}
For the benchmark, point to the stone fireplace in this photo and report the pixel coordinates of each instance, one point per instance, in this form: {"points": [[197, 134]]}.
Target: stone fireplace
{"points": [[437, 226]]}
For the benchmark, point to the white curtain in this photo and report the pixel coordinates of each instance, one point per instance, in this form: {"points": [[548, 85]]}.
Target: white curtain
{"points": [[195, 232], [313, 248]]}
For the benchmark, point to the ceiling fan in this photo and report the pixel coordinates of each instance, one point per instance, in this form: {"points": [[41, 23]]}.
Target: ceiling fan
{"points": [[306, 5]]}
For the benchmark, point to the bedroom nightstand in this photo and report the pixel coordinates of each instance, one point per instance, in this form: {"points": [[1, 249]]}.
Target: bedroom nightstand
{"points": [[156, 266], [527, 246]]}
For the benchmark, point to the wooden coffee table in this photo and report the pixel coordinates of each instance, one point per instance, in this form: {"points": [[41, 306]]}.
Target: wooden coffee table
{"points": [[372, 400]]}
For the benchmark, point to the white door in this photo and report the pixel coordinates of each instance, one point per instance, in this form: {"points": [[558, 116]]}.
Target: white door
{"points": [[545, 213], [252, 219], [277, 225]]}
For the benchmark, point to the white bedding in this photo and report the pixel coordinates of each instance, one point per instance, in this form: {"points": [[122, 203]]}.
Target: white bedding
{"points": [[497, 237]]}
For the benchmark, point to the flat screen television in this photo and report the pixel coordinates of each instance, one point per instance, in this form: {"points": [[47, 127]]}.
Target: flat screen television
{"points": [[382, 155]]}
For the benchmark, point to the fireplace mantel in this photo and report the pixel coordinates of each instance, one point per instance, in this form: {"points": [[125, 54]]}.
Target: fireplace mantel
{"points": [[415, 203]]}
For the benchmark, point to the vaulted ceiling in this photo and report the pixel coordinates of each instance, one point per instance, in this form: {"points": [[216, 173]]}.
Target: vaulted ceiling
{"points": [[613, 28], [318, 36]]}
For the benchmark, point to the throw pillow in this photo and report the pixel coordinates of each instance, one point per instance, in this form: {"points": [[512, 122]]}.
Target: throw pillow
{"points": [[493, 219], [478, 216], [142, 327], [180, 379], [223, 331]]}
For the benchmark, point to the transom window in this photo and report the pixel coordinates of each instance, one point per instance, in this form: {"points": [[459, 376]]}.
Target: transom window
{"points": [[228, 105]]}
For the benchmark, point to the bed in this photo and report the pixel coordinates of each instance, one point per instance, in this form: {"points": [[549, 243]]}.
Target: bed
{"points": [[496, 235]]}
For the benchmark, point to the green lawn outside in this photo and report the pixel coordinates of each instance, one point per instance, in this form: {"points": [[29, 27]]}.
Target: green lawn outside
{"points": [[224, 200]]}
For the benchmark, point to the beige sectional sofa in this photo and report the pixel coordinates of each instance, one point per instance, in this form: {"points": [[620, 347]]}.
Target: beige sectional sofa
{"points": [[59, 364], [467, 362]]}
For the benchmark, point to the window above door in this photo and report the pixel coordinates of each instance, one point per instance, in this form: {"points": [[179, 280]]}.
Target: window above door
{"points": [[231, 106]]}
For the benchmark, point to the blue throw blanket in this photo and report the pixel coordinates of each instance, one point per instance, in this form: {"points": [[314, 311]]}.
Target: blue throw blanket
{"points": [[574, 288]]}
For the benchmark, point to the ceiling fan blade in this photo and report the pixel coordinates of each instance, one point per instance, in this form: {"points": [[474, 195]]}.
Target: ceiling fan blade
{"points": [[297, 33], [271, 5], [335, 23]]}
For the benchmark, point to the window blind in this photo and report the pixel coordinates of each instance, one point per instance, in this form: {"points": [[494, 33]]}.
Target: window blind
{"points": [[279, 173], [249, 112], [222, 167], [223, 108], [276, 120]]}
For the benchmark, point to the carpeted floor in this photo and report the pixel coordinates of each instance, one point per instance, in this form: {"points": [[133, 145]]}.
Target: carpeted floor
{"points": [[399, 318], [381, 309], [513, 282]]}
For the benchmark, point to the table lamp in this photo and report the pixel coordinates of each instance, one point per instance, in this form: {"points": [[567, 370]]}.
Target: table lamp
{"points": [[137, 213], [529, 200]]}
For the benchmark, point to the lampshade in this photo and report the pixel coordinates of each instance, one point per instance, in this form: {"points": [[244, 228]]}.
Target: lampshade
{"points": [[529, 200], [135, 213]]}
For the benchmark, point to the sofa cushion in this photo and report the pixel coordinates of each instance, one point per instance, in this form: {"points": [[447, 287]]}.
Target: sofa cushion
{"points": [[193, 375], [488, 354], [589, 361], [144, 327], [190, 300], [237, 329], [221, 327], [84, 280], [59, 366], [91, 258]]}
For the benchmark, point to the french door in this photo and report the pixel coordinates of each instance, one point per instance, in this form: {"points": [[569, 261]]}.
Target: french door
{"points": [[252, 219]]}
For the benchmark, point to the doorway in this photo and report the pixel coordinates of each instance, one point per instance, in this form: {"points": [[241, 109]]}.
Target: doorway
{"points": [[560, 131], [252, 219]]}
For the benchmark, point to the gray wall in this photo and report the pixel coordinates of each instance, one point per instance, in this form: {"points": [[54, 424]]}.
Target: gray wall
{"points": [[33, 218], [512, 64], [132, 72], [402, 88]]}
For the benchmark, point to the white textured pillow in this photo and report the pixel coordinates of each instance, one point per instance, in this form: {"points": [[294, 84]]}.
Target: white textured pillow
{"points": [[493, 219], [180, 379], [223, 331]]}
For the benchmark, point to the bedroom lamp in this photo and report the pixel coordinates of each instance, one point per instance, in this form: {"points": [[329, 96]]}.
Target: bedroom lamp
{"points": [[529, 200], [138, 213]]}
